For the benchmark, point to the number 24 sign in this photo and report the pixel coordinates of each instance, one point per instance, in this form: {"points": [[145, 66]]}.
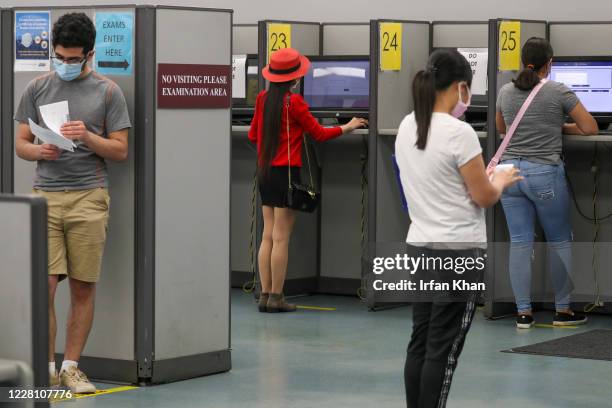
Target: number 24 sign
{"points": [[390, 46]]}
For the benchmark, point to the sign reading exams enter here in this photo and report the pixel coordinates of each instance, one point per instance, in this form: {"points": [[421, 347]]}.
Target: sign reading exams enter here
{"points": [[194, 86]]}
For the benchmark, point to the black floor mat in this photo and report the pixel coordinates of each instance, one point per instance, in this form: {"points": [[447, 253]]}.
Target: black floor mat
{"points": [[593, 345]]}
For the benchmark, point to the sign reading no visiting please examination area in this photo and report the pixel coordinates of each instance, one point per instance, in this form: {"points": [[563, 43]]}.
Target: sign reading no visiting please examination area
{"points": [[193, 86]]}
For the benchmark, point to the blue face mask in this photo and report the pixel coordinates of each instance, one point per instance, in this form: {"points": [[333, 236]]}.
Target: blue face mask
{"points": [[68, 72]]}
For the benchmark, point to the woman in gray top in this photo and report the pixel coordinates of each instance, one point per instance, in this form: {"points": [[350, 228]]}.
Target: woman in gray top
{"points": [[535, 150]]}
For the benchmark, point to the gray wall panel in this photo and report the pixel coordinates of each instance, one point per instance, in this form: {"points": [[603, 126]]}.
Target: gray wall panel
{"points": [[341, 207], [115, 292], [362, 10], [243, 169], [16, 276], [394, 103], [581, 39], [448, 35], [305, 38], [244, 39], [192, 199], [346, 39], [395, 87]]}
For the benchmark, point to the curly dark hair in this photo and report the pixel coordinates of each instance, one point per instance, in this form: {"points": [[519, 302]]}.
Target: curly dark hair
{"points": [[74, 30]]}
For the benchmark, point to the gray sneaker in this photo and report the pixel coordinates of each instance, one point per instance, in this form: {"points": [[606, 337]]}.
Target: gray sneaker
{"points": [[77, 381]]}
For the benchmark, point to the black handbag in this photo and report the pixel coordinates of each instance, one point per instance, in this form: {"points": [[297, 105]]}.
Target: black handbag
{"points": [[300, 197]]}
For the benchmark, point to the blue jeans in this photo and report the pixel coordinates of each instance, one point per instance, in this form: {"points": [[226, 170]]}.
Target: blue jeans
{"points": [[544, 193]]}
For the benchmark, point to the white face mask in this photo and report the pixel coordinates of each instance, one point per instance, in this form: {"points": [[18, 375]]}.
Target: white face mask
{"points": [[296, 84], [461, 106]]}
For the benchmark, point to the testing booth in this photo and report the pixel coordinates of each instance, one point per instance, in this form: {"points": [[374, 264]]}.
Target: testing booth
{"points": [[162, 307], [325, 248], [582, 62], [23, 296]]}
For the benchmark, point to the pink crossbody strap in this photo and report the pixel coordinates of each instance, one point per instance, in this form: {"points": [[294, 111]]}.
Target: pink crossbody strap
{"points": [[502, 148]]}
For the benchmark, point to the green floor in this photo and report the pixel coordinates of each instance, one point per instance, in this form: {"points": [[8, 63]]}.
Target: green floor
{"points": [[354, 358]]}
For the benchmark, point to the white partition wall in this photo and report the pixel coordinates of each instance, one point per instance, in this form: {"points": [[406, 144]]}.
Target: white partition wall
{"points": [[23, 294], [192, 208]]}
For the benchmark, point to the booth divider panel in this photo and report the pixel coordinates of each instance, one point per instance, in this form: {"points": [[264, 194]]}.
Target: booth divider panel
{"points": [[192, 197], [346, 39], [394, 103], [244, 39], [16, 300], [243, 170], [463, 35], [590, 40], [23, 299]]}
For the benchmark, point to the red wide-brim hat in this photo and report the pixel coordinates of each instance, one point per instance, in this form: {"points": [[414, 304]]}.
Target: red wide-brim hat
{"points": [[286, 65]]}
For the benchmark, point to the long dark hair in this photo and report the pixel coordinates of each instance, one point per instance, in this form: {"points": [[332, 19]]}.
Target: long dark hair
{"points": [[535, 55], [272, 116], [444, 67]]}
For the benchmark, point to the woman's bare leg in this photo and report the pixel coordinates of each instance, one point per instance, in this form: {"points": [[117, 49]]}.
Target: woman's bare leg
{"points": [[265, 250], [284, 219]]}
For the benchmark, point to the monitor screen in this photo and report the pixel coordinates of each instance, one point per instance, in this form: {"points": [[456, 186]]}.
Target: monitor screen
{"points": [[252, 86], [338, 84], [591, 80]]}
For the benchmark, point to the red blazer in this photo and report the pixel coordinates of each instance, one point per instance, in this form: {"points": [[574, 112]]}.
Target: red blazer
{"points": [[300, 121]]}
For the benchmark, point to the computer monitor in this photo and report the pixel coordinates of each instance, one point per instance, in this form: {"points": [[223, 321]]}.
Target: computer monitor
{"points": [[591, 79], [338, 86]]}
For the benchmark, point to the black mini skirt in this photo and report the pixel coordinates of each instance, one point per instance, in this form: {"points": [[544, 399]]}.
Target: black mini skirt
{"points": [[274, 188]]}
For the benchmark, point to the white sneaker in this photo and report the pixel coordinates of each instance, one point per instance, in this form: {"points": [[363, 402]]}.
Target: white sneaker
{"points": [[77, 381]]}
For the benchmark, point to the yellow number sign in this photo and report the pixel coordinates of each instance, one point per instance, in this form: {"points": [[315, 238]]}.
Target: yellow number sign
{"points": [[279, 36], [510, 46], [390, 46]]}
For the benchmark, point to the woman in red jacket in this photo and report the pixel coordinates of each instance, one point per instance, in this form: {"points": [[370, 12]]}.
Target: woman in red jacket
{"points": [[269, 131]]}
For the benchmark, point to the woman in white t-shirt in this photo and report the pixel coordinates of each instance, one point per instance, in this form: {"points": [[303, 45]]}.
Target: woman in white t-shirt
{"points": [[446, 186]]}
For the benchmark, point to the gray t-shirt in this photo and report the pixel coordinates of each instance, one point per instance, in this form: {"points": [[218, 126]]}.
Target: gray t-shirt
{"points": [[538, 137], [93, 99]]}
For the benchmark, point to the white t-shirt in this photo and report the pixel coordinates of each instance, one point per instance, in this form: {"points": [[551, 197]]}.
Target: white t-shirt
{"points": [[439, 204]]}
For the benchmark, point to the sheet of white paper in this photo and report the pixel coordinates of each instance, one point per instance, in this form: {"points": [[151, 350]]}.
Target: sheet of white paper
{"points": [[49, 137], [55, 115], [239, 76], [478, 59]]}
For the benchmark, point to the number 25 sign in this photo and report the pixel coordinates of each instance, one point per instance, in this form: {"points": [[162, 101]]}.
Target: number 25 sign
{"points": [[510, 46]]}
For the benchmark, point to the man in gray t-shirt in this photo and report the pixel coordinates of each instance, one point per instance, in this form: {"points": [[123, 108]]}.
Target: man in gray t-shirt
{"points": [[538, 137], [74, 183]]}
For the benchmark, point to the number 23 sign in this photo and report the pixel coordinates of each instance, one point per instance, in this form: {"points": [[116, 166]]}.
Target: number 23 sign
{"points": [[510, 46], [279, 36]]}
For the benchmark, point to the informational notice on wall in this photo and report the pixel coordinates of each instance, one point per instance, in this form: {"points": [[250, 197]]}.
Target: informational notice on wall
{"points": [[32, 41], [194, 86], [478, 59], [114, 50], [239, 76]]}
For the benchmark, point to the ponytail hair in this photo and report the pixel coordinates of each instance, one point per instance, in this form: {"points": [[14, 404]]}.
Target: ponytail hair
{"points": [[536, 53], [445, 66], [272, 117]]}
